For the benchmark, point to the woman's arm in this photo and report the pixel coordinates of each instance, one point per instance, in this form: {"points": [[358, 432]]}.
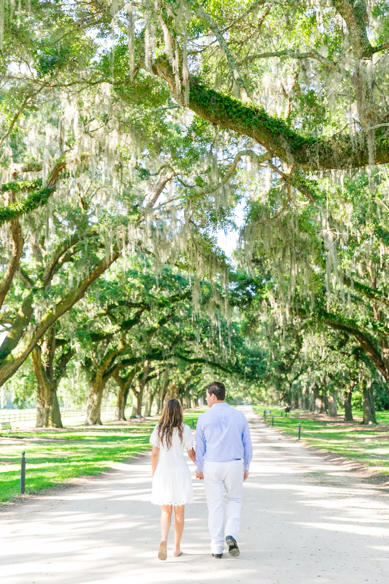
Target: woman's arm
{"points": [[154, 459], [192, 455]]}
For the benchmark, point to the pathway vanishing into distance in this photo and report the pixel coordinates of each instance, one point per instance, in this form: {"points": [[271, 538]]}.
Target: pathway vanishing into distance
{"points": [[305, 520]]}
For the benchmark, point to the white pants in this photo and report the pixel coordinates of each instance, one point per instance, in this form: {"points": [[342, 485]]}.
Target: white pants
{"points": [[223, 482]]}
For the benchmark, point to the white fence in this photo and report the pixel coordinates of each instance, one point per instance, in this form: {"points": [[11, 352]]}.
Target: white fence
{"points": [[30, 415]]}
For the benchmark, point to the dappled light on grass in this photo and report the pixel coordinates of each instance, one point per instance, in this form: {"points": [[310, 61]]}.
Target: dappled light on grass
{"points": [[54, 457], [367, 445]]}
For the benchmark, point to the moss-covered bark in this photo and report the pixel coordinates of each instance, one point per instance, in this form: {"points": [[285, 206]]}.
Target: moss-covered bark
{"points": [[342, 151], [47, 407]]}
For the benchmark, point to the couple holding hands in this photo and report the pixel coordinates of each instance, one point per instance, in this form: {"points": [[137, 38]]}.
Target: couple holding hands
{"points": [[222, 455]]}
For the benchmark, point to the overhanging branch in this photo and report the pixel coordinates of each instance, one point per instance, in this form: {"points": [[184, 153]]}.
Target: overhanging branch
{"points": [[309, 153]]}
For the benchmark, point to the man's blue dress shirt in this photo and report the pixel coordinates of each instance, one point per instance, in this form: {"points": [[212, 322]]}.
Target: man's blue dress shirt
{"points": [[222, 434]]}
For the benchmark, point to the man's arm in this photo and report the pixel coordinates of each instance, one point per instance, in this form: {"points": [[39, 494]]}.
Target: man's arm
{"points": [[247, 448], [200, 449]]}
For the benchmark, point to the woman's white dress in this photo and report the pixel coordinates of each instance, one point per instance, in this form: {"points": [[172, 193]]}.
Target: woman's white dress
{"points": [[172, 483]]}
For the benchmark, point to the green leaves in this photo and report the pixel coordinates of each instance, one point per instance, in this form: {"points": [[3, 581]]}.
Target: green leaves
{"points": [[51, 59]]}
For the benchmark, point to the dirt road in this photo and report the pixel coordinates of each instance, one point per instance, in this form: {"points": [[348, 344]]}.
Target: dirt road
{"points": [[304, 520]]}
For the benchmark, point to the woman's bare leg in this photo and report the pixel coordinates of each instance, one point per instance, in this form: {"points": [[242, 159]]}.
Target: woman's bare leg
{"points": [[166, 519], [179, 518]]}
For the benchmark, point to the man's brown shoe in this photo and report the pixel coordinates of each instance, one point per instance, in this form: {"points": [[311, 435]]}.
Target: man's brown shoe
{"points": [[233, 549]]}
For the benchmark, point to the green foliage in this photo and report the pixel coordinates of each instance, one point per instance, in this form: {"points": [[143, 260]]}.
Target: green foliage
{"points": [[311, 285], [51, 59], [32, 202]]}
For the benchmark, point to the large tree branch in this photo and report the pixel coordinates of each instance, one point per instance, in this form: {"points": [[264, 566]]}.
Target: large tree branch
{"points": [[54, 264], [354, 12], [62, 363], [126, 325], [203, 361], [312, 153], [18, 328], [367, 291], [10, 363], [347, 326], [17, 248], [124, 382], [311, 54], [161, 184]]}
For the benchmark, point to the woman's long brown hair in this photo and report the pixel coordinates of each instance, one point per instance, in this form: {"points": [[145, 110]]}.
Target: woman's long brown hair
{"points": [[171, 418]]}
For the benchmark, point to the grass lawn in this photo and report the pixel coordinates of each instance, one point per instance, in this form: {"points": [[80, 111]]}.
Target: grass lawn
{"points": [[368, 445], [54, 456]]}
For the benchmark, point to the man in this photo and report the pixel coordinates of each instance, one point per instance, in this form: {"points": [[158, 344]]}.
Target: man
{"points": [[223, 455]]}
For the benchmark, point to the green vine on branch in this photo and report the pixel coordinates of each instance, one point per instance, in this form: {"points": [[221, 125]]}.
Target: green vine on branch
{"points": [[32, 202]]}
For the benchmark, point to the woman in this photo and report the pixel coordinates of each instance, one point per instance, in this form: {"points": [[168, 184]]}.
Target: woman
{"points": [[172, 483]]}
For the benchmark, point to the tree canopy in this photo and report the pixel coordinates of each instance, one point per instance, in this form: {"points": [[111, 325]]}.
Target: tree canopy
{"points": [[131, 131]]}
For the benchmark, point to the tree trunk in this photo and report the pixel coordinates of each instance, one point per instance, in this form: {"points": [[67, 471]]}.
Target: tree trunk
{"points": [[122, 398], [188, 399], [121, 404], [173, 392], [163, 391], [124, 388], [125, 398], [332, 405], [48, 414], [148, 403], [153, 393], [300, 398], [314, 393], [325, 397], [138, 390], [306, 398], [317, 402], [192, 400], [93, 407], [320, 407], [159, 403], [137, 400], [348, 409], [369, 416]]}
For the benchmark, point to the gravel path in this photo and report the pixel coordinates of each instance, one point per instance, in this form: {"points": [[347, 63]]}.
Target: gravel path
{"points": [[304, 520]]}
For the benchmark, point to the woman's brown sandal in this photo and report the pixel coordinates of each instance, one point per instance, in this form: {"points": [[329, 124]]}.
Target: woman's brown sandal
{"points": [[162, 554]]}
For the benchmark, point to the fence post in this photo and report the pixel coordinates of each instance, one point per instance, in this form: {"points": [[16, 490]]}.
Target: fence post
{"points": [[23, 474], [299, 431]]}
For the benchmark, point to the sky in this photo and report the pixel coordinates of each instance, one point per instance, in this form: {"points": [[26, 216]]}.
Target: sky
{"points": [[228, 241]]}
